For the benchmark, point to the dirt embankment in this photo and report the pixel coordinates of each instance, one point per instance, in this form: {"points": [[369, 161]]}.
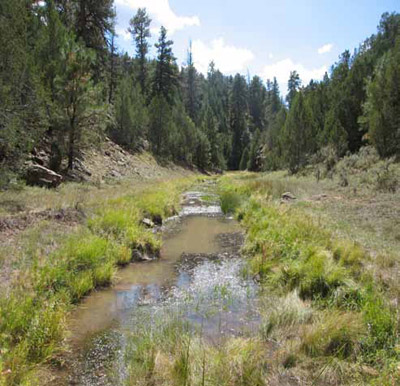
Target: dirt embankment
{"points": [[106, 172], [111, 162]]}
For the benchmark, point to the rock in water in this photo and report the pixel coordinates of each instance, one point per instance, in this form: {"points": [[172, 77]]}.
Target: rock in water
{"points": [[40, 176], [138, 256]]}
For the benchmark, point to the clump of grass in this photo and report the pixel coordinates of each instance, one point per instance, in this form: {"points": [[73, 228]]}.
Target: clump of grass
{"points": [[349, 254], [230, 202], [285, 312], [337, 333], [168, 352]]}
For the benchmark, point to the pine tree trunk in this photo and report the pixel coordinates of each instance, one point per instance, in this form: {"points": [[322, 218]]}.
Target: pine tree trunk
{"points": [[71, 147]]}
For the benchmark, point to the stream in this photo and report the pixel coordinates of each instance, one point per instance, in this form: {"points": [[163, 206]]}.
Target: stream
{"points": [[199, 276]]}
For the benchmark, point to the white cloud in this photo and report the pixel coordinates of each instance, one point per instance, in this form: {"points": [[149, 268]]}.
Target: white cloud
{"points": [[161, 12], [325, 49], [124, 34], [281, 70], [227, 58]]}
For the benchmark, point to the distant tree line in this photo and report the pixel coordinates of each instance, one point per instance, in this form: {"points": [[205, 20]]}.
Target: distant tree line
{"points": [[63, 79]]}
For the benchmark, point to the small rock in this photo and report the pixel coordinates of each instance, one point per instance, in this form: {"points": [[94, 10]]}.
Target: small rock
{"points": [[114, 173], [148, 223], [288, 196], [139, 256]]}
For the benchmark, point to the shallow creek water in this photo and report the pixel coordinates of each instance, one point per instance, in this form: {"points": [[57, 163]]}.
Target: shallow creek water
{"points": [[199, 275]]}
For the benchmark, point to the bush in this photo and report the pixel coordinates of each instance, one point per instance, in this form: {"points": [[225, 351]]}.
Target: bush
{"points": [[387, 176]]}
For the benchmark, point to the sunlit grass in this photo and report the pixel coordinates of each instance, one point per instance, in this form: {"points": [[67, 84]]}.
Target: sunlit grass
{"points": [[340, 310], [53, 270]]}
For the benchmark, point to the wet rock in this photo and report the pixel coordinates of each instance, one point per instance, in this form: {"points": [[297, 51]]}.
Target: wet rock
{"points": [[138, 256], [288, 196], [148, 223], [142, 254], [41, 176]]}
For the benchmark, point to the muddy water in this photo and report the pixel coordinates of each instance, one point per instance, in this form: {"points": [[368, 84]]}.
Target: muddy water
{"points": [[199, 276]]}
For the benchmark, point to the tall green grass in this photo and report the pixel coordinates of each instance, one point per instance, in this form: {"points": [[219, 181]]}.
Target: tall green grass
{"points": [[169, 352], [352, 321], [33, 311]]}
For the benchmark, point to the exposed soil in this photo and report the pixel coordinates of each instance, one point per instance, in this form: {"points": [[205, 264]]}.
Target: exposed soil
{"points": [[11, 225]]}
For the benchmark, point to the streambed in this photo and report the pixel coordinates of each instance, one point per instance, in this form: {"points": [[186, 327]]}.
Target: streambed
{"points": [[199, 276]]}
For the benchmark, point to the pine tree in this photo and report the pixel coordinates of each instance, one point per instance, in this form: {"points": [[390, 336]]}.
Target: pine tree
{"points": [[131, 115], [140, 31], [94, 21], [253, 163], [275, 100], [273, 150], [382, 108], [293, 86], [78, 98], [191, 89], [257, 103], [210, 127], [160, 126], [244, 160], [297, 134], [22, 114], [165, 77], [238, 119]]}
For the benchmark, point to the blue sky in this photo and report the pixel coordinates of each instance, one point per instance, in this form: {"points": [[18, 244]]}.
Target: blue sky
{"points": [[263, 37]]}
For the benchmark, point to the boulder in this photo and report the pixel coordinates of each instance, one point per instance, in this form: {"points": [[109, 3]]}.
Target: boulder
{"points": [[41, 176]]}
